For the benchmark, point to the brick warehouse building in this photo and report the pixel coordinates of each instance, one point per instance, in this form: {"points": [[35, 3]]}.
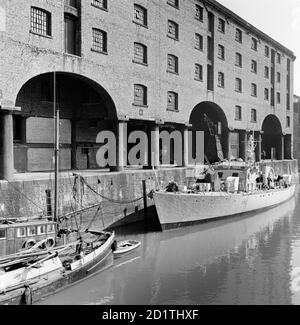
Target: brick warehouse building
{"points": [[151, 65], [296, 136]]}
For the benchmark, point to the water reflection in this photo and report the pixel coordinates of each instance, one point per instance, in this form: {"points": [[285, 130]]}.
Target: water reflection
{"points": [[249, 260]]}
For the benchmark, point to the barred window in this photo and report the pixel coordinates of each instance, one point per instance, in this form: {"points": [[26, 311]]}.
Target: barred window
{"points": [[254, 66], [140, 95], [199, 42], [253, 115], [173, 30], [278, 58], [221, 79], [221, 52], [172, 63], [238, 113], [199, 13], [238, 85], [40, 21], [140, 53], [278, 98], [221, 25], [278, 77], [267, 72], [267, 51], [100, 4], [266, 94], [198, 72], [173, 3], [238, 60], [254, 44], [238, 35], [99, 40], [172, 101], [140, 15], [254, 90]]}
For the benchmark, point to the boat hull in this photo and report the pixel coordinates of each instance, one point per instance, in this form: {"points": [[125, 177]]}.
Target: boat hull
{"points": [[181, 209], [61, 279]]}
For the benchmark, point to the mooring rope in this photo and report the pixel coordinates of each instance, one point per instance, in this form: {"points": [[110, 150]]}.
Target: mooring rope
{"points": [[110, 199]]}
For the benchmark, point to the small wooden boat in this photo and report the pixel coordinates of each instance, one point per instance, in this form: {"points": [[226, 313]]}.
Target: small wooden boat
{"points": [[27, 279], [126, 246]]}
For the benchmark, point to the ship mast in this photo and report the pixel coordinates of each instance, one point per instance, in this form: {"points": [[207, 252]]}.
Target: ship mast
{"points": [[56, 156]]}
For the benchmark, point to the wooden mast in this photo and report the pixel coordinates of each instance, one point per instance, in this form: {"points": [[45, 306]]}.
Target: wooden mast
{"points": [[56, 157]]}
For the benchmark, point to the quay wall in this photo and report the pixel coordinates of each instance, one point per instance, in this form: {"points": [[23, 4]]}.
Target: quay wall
{"points": [[118, 190]]}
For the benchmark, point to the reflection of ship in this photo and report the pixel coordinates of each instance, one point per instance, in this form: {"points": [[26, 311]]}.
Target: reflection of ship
{"points": [[228, 191], [159, 276]]}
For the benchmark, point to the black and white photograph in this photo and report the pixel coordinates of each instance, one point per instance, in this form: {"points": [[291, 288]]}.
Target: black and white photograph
{"points": [[149, 155]]}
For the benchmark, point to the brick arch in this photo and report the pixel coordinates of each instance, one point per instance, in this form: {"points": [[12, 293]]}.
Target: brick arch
{"points": [[99, 89], [216, 114], [272, 137]]}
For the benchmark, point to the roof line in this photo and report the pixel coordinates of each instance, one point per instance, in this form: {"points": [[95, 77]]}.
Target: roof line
{"points": [[215, 4]]}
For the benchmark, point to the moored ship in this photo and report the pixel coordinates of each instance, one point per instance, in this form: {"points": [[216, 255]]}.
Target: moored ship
{"points": [[226, 190]]}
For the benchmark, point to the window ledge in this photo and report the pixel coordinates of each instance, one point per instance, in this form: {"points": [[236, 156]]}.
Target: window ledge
{"points": [[140, 63], [196, 79], [171, 5], [140, 24], [173, 38], [173, 110], [199, 19], [172, 72], [101, 8], [42, 35], [140, 105], [100, 52], [198, 49]]}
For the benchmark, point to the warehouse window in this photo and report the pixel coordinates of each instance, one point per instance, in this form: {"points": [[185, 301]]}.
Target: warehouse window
{"points": [[266, 94], [199, 42], [40, 21], [221, 80], [221, 25], [288, 122], [254, 44], [173, 30], [278, 98], [238, 113], [140, 95], [238, 60], [221, 52], [199, 13], [238, 85], [172, 63], [267, 51], [278, 58], [253, 66], [102, 4], [140, 53], [238, 35], [253, 116], [278, 77], [267, 72], [198, 72], [172, 101], [254, 90], [99, 41], [140, 15]]}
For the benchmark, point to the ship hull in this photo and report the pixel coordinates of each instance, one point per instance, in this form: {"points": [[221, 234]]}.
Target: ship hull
{"points": [[181, 209]]}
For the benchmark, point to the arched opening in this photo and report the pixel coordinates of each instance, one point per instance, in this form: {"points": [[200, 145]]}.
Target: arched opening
{"points": [[272, 138], [211, 119], [85, 109]]}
